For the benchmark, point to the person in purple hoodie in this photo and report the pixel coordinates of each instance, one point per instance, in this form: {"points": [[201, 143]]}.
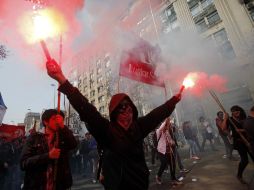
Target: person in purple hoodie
{"points": [[124, 166]]}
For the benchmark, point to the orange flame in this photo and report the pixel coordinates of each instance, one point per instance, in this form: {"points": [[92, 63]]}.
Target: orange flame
{"points": [[42, 24]]}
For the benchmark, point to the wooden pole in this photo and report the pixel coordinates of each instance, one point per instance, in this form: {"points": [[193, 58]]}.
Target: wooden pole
{"points": [[214, 96]]}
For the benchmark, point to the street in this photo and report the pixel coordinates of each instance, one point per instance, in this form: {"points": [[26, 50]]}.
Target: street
{"points": [[210, 173]]}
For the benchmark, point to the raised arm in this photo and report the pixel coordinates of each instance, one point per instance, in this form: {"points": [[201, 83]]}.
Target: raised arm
{"points": [[223, 124], [158, 115], [97, 125]]}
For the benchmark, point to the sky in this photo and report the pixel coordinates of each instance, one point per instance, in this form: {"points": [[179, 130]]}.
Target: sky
{"points": [[24, 84], [92, 26]]}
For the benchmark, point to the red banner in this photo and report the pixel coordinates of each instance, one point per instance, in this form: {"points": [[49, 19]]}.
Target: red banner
{"points": [[139, 71], [10, 132]]}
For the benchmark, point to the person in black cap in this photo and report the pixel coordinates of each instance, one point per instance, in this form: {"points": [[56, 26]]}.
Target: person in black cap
{"points": [[39, 153], [124, 166], [236, 127]]}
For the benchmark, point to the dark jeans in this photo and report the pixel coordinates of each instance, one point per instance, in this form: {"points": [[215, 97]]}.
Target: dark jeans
{"points": [[76, 164], [205, 137], [165, 160], [178, 159], [153, 154], [228, 146], [243, 152], [195, 138], [87, 165]]}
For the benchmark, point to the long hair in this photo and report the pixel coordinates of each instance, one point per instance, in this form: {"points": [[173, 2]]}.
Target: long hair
{"points": [[243, 114]]}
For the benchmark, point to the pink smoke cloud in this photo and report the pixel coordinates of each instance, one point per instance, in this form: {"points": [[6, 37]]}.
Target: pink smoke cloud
{"points": [[204, 82]]}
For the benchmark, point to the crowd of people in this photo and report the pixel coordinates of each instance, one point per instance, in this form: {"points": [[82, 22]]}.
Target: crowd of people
{"points": [[84, 159], [11, 176], [162, 144], [114, 149]]}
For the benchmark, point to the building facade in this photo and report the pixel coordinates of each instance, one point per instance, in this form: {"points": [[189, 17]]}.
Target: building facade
{"points": [[32, 119], [228, 24]]}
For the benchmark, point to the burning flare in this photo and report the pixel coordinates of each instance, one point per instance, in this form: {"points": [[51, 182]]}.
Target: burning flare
{"points": [[188, 81], [42, 24]]}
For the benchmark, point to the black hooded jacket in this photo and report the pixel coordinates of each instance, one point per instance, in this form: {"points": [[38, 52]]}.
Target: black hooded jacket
{"points": [[124, 165], [35, 160]]}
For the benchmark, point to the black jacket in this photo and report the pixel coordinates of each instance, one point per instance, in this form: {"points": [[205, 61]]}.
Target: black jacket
{"points": [[249, 127], [35, 159], [124, 165]]}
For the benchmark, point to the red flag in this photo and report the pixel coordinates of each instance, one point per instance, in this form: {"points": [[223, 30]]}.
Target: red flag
{"points": [[10, 132], [137, 70]]}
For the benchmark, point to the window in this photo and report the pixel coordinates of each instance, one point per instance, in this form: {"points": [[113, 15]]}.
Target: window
{"points": [[92, 93], [201, 25], [93, 102], [99, 79], [195, 10], [79, 83], [98, 63], [252, 14], [85, 88], [108, 73], [91, 83], [101, 99], [225, 47], [206, 3], [227, 50], [213, 18], [85, 80], [250, 6], [100, 89], [220, 37], [91, 75], [170, 13], [169, 20], [107, 61], [101, 109], [99, 70]]}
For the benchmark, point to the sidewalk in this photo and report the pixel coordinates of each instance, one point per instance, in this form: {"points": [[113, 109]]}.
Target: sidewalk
{"points": [[212, 172]]}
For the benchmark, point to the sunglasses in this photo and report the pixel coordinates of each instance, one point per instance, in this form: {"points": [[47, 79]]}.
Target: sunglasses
{"points": [[123, 105]]}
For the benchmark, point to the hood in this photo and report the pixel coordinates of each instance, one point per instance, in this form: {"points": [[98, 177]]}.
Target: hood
{"points": [[115, 101]]}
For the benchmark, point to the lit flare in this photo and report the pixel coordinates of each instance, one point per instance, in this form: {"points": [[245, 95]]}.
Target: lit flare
{"points": [[42, 24], [188, 81]]}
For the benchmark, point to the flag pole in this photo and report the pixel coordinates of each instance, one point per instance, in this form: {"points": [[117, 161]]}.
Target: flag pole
{"points": [[58, 110], [60, 64]]}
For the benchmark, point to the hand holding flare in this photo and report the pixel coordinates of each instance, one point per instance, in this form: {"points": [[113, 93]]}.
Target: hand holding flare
{"points": [[55, 71]]}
